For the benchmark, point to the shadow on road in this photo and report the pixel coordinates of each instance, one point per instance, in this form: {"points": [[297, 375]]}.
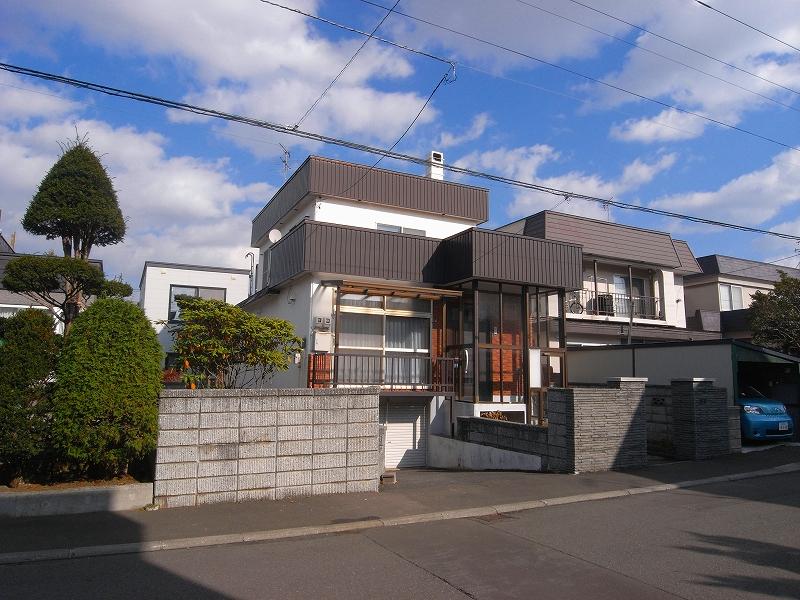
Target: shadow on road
{"points": [[757, 553], [120, 577]]}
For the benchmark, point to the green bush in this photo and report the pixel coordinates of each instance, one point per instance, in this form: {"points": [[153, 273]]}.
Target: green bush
{"points": [[27, 362], [105, 405]]}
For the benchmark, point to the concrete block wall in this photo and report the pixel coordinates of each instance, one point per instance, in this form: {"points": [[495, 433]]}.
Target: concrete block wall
{"points": [[505, 435], [610, 425], [592, 428], [658, 402], [701, 419], [245, 444]]}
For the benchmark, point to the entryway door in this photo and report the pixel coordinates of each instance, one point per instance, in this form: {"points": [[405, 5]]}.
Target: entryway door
{"points": [[406, 434]]}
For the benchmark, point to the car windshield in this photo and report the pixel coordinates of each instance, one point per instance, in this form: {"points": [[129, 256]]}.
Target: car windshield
{"points": [[750, 392]]}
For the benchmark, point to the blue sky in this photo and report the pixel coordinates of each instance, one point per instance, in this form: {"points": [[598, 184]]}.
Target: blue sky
{"points": [[190, 186]]}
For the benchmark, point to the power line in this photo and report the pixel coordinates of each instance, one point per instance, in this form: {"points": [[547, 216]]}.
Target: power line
{"points": [[684, 46], [445, 79], [592, 79], [658, 54], [732, 18], [479, 70], [344, 68], [358, 31], [318, 137]]}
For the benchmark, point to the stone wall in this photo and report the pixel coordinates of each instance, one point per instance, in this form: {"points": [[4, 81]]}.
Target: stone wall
{"points": [[658, 400], [527, 439], [701, 419], [610, 425], [236, 445], [590, 428]]}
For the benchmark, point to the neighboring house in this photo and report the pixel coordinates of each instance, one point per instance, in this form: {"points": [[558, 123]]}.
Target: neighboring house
{"points": [[632, 282], [389, 282], [161, 282], [718, 299], [11, 302]]}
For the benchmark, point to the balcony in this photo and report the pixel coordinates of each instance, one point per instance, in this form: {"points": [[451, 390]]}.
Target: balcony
{"points": [[609, 304], [393, 373]]}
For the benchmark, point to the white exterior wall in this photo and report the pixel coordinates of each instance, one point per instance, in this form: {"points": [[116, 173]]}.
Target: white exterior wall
{"points": [[154, 292], [367, 215], [292, 303], [659, 365], [704, 294], [701, 296]]}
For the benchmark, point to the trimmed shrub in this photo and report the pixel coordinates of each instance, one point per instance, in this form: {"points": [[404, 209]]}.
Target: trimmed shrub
{"points": [[105, 405], [27, 362]]}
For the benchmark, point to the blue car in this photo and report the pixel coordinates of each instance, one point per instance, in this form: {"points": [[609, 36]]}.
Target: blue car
{"points": [[764, 419]]}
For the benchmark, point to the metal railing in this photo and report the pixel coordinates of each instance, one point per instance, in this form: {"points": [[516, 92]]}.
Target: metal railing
{"points": [[612, 305], [391, 372]]}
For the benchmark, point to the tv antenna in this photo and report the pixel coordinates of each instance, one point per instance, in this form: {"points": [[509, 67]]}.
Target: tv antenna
{"points": [[285, 160]]}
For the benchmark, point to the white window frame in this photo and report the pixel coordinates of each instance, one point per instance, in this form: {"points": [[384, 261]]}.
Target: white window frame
{"points": [[389, 312], [726, 291]]}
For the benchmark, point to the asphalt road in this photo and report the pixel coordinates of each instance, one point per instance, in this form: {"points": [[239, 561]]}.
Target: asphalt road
{"points": [[726, 541]]}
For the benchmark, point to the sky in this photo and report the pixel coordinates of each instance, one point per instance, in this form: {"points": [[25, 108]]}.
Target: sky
{"points": [[189, 185]]}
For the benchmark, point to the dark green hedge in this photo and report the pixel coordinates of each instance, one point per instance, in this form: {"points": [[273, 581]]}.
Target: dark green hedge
{"points": [[27, 362], [105, 406]]}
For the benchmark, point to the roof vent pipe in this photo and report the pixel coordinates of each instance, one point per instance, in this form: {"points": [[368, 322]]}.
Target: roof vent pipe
{"points": [[436, 165]]}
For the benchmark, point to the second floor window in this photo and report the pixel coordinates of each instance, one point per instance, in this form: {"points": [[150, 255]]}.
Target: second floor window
{"points": [[398, 229], [730, 297], [208, 293]]}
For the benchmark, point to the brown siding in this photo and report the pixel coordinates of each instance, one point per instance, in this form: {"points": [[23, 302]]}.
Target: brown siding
{"points": [[285, 199], [576, 327], [474, 253], [325, 177], [509, 257], [611, 240]]}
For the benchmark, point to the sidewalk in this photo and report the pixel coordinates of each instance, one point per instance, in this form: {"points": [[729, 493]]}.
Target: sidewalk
{"points": [[417, 492]]}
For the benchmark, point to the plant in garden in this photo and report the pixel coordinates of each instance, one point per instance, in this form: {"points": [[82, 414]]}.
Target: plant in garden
{"points": [[76, 204], [775, 316], [62, 283], [227, 347], [27, 362], [105, 405]]}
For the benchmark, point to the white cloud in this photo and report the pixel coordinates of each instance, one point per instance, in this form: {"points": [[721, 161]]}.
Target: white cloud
{"points": [[752, 198], [673, 83], [480, 123], [179, 208], [23, 99], [523, 163], [257, 60], [668, 126]]}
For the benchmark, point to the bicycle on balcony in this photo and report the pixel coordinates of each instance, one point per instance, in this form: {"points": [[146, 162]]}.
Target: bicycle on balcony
{"points": [[574, 305]]}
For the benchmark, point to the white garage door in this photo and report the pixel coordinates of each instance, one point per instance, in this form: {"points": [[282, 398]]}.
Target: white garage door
{"points": [[406, 434]]}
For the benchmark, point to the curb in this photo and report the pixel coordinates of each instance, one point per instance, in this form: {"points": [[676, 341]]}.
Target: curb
{"points": [[10, 558]]}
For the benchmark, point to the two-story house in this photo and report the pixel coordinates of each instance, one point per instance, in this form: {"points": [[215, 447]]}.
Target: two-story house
{"points": [[390, 282], [161, 282], [718, 298], [632, 280]]}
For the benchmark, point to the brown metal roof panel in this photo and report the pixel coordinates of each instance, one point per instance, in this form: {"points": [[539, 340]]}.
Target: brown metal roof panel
{"points": [[689, 263], [351, 181], [610, 240], [279, 207]]}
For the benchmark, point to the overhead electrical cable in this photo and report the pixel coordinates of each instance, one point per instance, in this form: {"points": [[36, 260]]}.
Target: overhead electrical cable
{"points": [[658, 54], [732, 18], [685, 46], [590, 78], [288, 130], [344, 68], [452, 62]]}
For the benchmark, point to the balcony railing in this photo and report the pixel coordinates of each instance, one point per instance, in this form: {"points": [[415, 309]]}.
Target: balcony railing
{"points": [[391, 372], [608, 304]]}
